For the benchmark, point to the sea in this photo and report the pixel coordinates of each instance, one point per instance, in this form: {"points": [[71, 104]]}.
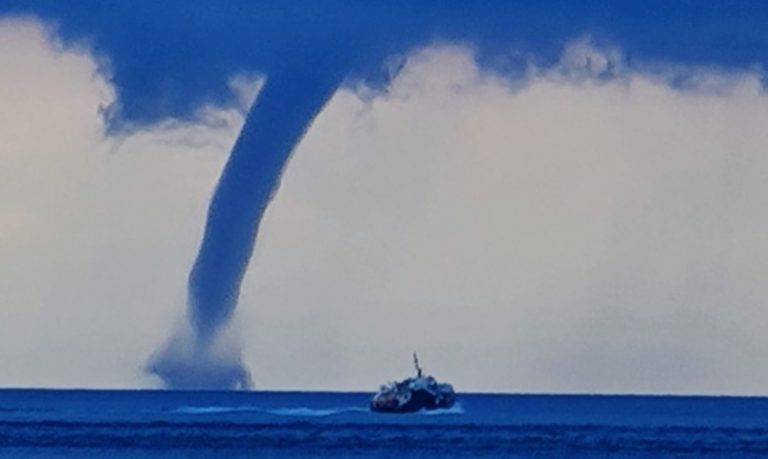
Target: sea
{"points": [[168, 424]]}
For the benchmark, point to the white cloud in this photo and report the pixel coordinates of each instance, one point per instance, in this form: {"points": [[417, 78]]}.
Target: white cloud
{"points": [[574, 233], [582, 59], [570, 234], [97, 232]]}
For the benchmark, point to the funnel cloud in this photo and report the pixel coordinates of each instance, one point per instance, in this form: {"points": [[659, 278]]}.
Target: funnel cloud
{"points": [[276, 123]]}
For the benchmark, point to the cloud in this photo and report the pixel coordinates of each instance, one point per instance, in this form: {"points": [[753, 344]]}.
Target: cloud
{"points": [[97, 232], [594, 227], [566, 233]]}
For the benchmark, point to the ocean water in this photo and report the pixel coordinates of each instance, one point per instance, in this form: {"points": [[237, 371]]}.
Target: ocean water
{"points": [[158, 424]]}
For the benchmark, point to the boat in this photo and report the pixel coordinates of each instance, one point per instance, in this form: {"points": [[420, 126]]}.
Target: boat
{"points": [[413, 394]]}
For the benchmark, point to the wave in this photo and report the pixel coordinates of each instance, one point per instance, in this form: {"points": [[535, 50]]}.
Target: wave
{"points": [[302, 438]]}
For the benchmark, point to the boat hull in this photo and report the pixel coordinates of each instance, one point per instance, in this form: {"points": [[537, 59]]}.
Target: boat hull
{"points": [[418, 400]]}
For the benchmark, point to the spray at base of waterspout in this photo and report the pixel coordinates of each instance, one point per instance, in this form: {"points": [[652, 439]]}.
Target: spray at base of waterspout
{"points": [[189, 364]]}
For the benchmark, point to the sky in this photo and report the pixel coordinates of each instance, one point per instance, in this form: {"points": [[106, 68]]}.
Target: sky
{"points": [[536, 199]]}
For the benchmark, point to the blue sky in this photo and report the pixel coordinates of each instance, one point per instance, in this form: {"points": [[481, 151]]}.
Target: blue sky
{"points": [[538, 197]]}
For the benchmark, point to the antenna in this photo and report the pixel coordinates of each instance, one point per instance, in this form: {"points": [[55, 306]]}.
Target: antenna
{"points": [[416, 364]]}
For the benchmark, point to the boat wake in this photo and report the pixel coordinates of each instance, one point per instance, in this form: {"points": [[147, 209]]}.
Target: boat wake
{"points": [[214, 409], [455, 409], [304, 411], [301, 411], [292, 411]]}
